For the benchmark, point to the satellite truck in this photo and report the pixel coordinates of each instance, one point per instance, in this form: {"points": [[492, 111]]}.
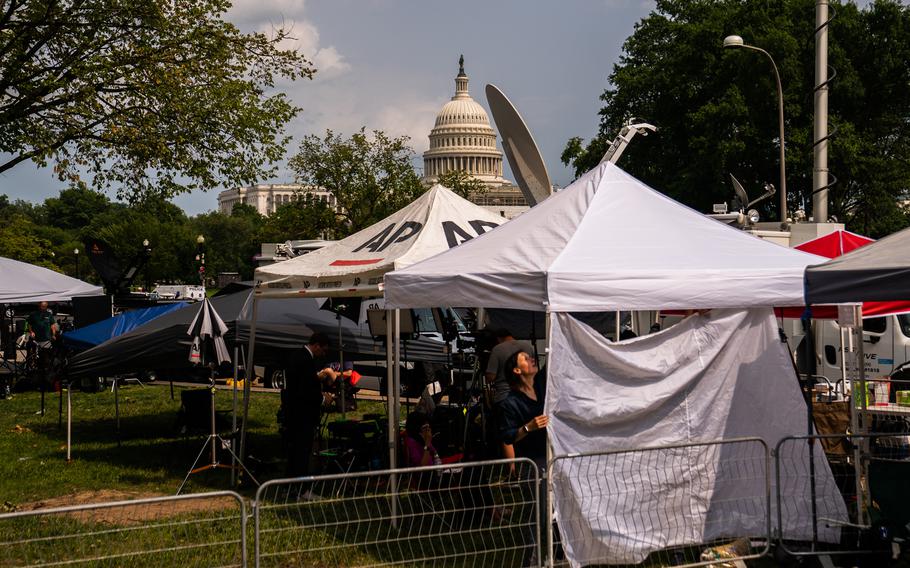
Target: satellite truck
{"points": [[886, 339]]}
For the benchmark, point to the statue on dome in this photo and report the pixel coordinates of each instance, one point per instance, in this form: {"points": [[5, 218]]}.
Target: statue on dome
{"points": [[461, 64]]}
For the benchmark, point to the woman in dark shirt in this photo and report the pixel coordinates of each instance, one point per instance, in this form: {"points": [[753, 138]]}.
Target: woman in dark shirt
{"points": [[523, 422]]}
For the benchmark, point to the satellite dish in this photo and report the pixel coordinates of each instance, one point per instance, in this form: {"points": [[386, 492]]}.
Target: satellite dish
{"points": [[521, 151], [743, 198], [741, 194]]}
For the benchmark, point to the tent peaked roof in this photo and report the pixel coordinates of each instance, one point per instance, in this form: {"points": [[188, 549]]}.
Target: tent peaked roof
{"points": [[21, 282], [436, 221], [834, 244], [607, 242], [876, 272]]}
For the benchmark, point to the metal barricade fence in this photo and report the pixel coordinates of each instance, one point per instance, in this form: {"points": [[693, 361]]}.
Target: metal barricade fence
{"points": [[683, 504], [466, 514], [206, 529], [853, 488]]}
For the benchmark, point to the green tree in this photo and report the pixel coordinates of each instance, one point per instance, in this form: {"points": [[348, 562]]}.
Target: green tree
{"points": [[302, 218], [172, 242], [146, 96], [462, 183], [75, 208], [716, 109], [370, 176], [231, 241], [19, 240]]}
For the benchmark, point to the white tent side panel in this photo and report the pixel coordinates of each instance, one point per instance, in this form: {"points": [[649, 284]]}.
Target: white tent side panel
{"points": [[21, 282], [720, 376]]}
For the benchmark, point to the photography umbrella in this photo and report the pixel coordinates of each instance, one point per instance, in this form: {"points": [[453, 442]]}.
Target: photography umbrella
{"points": [[209, 348], [208, 330]]}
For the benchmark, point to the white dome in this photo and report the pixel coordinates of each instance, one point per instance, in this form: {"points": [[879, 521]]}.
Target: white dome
{"points": [[462, 139], [462, 111]]}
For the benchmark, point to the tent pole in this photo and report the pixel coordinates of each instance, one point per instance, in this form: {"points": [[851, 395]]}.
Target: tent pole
{"points": [[117, 406], [248, 377], [341, 368], [234, 418], [618, 324], [69, 424], [862, 478], [389, 387], [548, 514]]}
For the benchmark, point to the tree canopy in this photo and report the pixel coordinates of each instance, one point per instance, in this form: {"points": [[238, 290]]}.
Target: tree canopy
{"points": [[462, 183], [371, 177], [144, 96], [716, 109]]}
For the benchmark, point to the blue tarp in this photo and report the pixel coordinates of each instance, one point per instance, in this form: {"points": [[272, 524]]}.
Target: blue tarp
{"points": [[97, 333]]}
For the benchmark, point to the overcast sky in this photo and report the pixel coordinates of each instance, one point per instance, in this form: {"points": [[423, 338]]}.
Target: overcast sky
{"points": [[390, 65]]}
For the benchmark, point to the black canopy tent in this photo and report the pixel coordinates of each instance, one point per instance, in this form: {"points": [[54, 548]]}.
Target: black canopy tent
{"points": [[281, 325], [876, 272]]}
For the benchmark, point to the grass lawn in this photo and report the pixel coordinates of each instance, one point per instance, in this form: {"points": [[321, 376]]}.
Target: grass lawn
{"points": [[152, 458]]}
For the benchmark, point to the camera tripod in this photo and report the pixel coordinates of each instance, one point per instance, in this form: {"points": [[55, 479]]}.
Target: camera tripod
{"points": [[211, 443]]}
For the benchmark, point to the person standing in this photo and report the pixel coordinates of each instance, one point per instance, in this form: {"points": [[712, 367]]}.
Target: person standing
{"points": [[523, 422], [497, 377], [42, 325], [303, 401], [43, 330]]}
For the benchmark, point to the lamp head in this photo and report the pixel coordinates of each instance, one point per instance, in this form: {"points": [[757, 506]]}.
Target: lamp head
{"points": [[200, 239], [75, 251], [145, 243], [733, 41]]}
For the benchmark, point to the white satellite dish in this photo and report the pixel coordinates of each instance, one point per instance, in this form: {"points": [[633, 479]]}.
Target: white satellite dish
{"points": [[522, 153]]}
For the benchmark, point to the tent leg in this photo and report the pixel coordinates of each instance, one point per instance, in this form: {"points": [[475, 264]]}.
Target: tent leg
{"points": [[60, 407], [234, 419], [250, 373], [389, 387], [69, 424], [117, 407], [172, 388], [862, 478], [341, 368], [548, 514]]}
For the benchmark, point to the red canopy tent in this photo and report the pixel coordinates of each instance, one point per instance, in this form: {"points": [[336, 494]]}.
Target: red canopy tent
{"points": [[833, 245]]}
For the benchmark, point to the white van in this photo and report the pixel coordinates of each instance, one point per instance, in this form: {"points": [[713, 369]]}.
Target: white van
{"points": [[180, 292], [886, 345]]}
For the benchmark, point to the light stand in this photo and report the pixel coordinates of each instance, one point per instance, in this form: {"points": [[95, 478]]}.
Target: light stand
{"points": [[341, 366], [210, 441]]}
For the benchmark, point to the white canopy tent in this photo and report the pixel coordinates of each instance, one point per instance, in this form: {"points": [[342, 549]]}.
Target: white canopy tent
{"points": [[607, 243], [21, 282], [355, 266]]}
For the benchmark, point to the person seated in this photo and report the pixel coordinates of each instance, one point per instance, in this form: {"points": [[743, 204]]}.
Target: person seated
{"points": [[418, 443]]}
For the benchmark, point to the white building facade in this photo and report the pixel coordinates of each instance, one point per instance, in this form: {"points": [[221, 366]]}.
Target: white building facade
{"points": [[267, 198]]}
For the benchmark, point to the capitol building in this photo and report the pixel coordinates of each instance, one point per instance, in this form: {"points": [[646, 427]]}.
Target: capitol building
{"points": [[461, 139]]}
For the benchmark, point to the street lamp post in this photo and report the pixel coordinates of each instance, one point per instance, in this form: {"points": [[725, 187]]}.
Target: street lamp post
{"points": [[200, 256], [76, 259], [733, 41], [147, 254]]}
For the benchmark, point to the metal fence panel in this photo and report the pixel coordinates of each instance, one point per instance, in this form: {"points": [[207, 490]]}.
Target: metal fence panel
{"points": [[468, 514], [687, 504], [868, 484], [207, 529]]}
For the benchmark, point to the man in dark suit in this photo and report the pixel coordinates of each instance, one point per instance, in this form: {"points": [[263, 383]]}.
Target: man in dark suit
{"points": [[303, 401]]}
